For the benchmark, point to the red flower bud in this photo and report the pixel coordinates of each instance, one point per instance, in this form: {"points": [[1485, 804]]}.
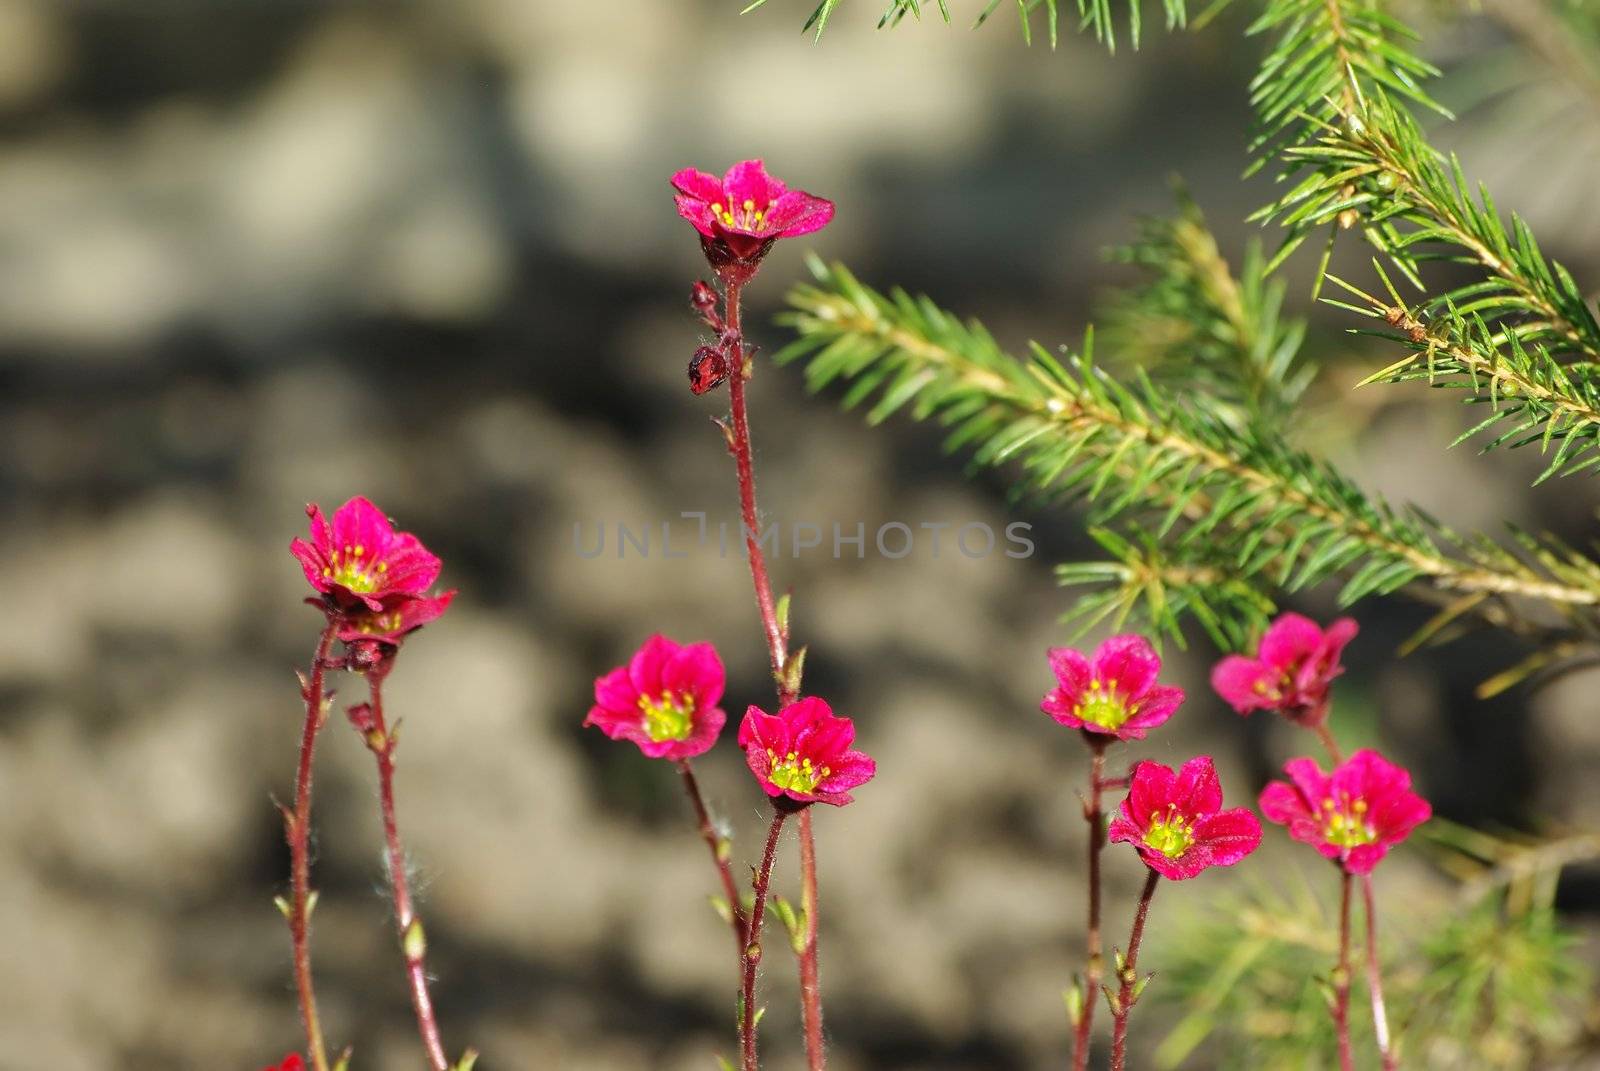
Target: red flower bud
{"points": [[707, 370], [702, 297]]}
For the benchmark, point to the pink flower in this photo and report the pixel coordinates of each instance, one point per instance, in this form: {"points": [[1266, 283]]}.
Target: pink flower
{"points": [[802, 753], [1353, 816], [1291, 671], [393, 624], [360, 560], [1114, 693], [664, 699], [292, 1062], [740, 215], [1177, 823]]}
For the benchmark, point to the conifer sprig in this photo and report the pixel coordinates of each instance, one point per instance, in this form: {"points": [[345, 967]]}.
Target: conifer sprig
{"points": [[1193, 324], [1533, 398], [1097, 16], [1416, 206], [1277, 517]]}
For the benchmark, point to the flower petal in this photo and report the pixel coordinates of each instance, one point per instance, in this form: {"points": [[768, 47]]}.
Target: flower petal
{"points": [[1292, 638], [1150, 788], [748, 181], [1127, 663], [797, 212], [1244, 683], [698, 185], [1228, 836], [1197, 791]]}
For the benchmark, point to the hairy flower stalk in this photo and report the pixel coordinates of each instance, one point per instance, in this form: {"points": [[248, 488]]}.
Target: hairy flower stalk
{"points": [[297, 829], [749, 1015], [738, 219], [1127, 991], [372, 585], [1109, 696], [721, 856], [368, 718], [1341, 978], [1084, 1001]]}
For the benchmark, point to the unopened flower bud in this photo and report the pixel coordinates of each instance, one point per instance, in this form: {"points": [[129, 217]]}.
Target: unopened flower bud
{"points": [[362, 717], [702, 297], [707, 370]]}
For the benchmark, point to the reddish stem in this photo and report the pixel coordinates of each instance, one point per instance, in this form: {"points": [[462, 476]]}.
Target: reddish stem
{"points": [[810, 982], [719, 854], [1094, 964], [778, 655], [1341, 978], [750, 517], [1380, 1014], [1130, 977], [1326, 736], [752, 950], [413, 941], [297, 830]]}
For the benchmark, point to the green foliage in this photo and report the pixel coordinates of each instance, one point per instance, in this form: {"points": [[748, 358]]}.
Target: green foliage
{"points": [[1327, 58], [1415, 207], [1193, 325], [1095, 15], [1237, 500], [1487, 987], [1532, 397]]}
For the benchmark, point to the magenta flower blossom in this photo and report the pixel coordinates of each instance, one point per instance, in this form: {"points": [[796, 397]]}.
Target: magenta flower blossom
{"points": [[1177, 823], [360, 560], [1353, 816], [740, 215], [664, 699], [292, 1062], [802, 753], [1112, 694], [393, 624], [1292, 670]]}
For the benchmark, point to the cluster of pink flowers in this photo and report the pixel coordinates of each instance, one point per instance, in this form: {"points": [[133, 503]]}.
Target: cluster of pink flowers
{"points": [[373, 581], [1174, 820], [664, 700]]}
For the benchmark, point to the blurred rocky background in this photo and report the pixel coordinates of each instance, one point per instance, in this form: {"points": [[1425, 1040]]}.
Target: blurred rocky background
{"points": [[270, 251]]}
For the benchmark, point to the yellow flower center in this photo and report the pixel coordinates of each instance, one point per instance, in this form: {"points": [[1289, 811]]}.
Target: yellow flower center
{"points": [[352, 570], [1103, 707], [1170, 834], [1345, 822], [746, 217], [668, 716], [794, 774]]}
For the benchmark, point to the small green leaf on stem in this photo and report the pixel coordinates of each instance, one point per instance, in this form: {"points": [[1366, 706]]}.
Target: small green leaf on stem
{"points": [[415, 942]]}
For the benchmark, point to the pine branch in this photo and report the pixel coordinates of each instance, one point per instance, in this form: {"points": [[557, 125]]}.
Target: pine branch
{"points": [[1095, 15], [1142, 579], [1533, 398], [1328, 58], [1274, 514], [1194, 325]]}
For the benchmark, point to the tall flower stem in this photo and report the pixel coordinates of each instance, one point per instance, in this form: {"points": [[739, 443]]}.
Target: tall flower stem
{"points": [[810, 983], [413, 941], [1380, 1014], [787, 682], [1127, 992], [719, 855], [739, 446], [1094, 963], [752, 950], [1341, 978], [297, 830]]}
